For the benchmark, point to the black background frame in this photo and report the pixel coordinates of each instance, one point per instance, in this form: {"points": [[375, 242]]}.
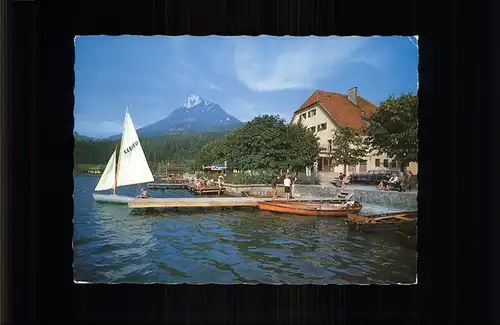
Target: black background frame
{"points": [[457, 174]]}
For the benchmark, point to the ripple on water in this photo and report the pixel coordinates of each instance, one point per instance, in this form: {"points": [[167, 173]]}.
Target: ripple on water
{"points": [[114, 244]]}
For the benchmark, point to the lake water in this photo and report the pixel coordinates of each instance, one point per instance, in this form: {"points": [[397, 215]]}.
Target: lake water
{"points": [[114, 244]]}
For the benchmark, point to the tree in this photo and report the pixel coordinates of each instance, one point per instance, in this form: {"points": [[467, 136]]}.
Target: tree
{"points": [[269, 143], [177, 149], [347, 147], [393, 129], [214, 152], [304, 145]]}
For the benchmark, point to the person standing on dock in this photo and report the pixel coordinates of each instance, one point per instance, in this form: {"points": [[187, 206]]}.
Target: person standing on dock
{"points": [[273, 186], [288, 186], [294, 179], [341, 179], [220, 181]]}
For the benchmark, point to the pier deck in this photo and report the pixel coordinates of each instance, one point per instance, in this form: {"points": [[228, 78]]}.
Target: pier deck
{"points": [[169, 186], [211, 202]]}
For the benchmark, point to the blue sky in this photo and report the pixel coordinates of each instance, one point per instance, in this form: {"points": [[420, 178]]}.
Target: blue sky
{"points": [[247, 76]]}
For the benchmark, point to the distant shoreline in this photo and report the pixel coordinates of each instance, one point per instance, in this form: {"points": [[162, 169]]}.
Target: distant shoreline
{"points": [[85, 174]]}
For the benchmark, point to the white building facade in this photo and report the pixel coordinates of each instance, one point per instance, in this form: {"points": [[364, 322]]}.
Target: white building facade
{"points": [[325, 112]]}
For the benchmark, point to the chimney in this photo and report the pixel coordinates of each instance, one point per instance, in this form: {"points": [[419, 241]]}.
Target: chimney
{"points": [[352, 95]]}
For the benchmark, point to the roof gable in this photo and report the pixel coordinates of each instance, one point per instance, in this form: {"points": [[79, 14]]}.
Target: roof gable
{"points": [[341, 109]]}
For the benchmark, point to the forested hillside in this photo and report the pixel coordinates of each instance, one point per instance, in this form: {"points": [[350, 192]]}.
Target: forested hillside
{"points": [[176, 149]]}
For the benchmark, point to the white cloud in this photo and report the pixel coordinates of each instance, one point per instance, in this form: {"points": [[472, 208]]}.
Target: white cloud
{"points": [[242, 109], [265, 64], [213, 87], [101, 128], [187, 66]]}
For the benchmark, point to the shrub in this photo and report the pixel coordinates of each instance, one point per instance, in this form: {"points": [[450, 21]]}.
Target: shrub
{"points": [[308, 180], [245, 178]]}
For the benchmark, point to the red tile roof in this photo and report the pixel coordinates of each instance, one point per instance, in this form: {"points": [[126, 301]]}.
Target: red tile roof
{"points": [[340, 108]]}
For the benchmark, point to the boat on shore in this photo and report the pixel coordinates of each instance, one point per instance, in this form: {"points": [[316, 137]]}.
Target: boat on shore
{"points": [[126, 166], [310, 208], [405, 222]]}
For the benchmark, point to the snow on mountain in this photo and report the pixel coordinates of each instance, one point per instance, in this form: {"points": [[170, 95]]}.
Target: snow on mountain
{"points": [[193, 116], [192, 101]]}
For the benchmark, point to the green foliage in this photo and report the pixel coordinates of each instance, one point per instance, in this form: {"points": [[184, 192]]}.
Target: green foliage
{"points": [[214, 152], [267, 143], [393, 128], [304, 146], [178, 150], [83, 168], [308, 180], [246, 178], [347, 147]]}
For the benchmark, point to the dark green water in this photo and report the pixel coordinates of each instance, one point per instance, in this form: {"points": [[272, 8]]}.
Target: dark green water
{"points": [[114, 244]]}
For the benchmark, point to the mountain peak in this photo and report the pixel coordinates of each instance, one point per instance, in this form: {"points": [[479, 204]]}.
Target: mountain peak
{"points": [[192, 100], [205, 116]]}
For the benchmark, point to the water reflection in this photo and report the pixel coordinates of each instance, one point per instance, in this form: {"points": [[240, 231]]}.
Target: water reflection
{"points": [[116, 244]]}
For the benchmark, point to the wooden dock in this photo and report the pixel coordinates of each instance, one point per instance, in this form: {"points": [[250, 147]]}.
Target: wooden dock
{"points": [[168, 186], [187, 186], [207, 190], [212, 202]]}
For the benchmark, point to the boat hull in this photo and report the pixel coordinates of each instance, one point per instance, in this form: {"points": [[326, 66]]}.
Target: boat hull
{"points": [[381, 227], [367, 218], [309, 209], [405, 222], [109, 198]]}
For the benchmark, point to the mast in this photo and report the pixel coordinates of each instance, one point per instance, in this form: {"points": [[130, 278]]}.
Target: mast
{"points": [[119, 156]]}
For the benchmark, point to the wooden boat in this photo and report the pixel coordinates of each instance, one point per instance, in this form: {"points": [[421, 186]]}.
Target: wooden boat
{"points": [[311, 209], [126, 166], [389, 222]]}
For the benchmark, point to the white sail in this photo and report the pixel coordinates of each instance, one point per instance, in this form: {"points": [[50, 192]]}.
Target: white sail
{"points": [[107, 180], [133, 167]]}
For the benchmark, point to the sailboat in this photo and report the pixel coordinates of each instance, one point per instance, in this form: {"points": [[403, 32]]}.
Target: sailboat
{"points": [[126, 166]]}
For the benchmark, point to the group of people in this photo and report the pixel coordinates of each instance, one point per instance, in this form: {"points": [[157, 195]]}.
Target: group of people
{"points": [[199, 183], [397, 181], [288, 183], [205, 181]]}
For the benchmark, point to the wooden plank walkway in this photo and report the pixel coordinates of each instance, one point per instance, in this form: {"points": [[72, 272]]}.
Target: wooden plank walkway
{"points": [[207, 190], [170, 186], [187, 186], [211, 202]]}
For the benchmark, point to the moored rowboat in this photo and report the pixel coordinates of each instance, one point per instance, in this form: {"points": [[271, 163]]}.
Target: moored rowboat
{"points": [[311, 209], [397, 221]]}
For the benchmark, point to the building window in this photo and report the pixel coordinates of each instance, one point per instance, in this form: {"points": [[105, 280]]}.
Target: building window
{"points": [[393, 163], [313, 128], [377, 162], [303, 116], [312, 113], [386, 162], [322, 127], [330, 145]]}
